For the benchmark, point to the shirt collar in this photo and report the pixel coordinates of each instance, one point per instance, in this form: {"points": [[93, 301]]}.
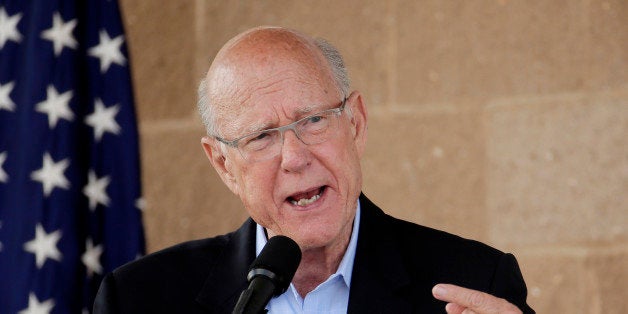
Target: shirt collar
{"points": [[345, 269]]}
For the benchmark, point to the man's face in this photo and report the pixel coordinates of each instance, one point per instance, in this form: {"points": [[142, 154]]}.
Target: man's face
{"points": [[328, 174]]}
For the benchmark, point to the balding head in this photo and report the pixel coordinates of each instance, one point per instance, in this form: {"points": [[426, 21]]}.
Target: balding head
{"points": [[271, 91], [252, 56]]}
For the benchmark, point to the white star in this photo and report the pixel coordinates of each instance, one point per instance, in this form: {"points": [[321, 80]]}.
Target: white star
{"points": [[91, 258], [108, 50], [8, 27], [5, 101], [103, 119], [4, 177], [44, 246], [56, 106], [35, 307], [60, 34], [51, 174], [95, 190], [140, 203]]}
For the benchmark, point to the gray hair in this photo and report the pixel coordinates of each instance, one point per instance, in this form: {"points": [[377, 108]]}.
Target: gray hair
{"points": [[336, 63], [205, 109], [331, 54]]}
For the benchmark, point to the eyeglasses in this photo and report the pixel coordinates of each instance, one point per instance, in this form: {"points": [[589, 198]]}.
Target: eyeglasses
{"points": [[266, 144]]}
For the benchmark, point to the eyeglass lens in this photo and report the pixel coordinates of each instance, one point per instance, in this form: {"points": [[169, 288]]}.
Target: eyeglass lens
{"points": [[267, 144]]}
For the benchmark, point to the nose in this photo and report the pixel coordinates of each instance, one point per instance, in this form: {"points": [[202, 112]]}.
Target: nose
{"points": [[295, 155]]}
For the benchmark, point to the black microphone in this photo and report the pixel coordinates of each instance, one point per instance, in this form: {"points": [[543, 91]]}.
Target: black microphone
{"points": [[269, 275]]}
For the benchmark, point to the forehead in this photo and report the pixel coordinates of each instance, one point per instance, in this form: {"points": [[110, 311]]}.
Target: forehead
{"points": [[267, 94], [285, 102], [263, 77]]}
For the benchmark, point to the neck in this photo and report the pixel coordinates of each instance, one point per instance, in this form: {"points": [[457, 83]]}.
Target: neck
{"points": [[316, 266], [319, 263]]}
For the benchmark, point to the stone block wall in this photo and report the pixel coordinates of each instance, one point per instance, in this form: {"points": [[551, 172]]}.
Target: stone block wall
{"points": [[503, 121]]}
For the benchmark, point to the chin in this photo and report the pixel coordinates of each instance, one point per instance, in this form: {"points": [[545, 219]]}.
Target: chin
{"points": [[314, 240]]}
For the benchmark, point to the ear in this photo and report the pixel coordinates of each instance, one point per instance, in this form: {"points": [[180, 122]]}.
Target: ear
{"points": [[359, 118], [219, 161]]}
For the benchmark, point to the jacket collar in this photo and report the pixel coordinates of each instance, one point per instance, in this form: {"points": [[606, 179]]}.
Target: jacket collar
{"points": [[379, 273], [227, 278]]}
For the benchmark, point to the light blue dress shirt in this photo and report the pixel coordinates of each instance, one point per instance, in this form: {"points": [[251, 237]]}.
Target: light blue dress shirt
{"points": [[331, 296]]}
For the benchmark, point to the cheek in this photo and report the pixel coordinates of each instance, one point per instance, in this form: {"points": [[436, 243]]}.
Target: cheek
{"points": [[257, 183], [348, 170], [257, 196], [342, 163]]}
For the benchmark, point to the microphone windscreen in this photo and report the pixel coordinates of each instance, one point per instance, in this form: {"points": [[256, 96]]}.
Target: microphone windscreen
{"points": [[281, 255]]}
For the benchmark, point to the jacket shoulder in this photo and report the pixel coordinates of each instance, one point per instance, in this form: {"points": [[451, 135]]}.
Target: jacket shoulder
{"points": [[423, 237], [184, 261], [437, 256]]}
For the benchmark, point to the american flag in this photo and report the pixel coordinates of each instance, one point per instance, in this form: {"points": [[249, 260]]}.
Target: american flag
{"points": [[69, 163]]}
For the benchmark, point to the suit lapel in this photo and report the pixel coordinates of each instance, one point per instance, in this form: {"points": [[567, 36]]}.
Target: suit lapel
{"points": [[220, 291], [379, 274]]}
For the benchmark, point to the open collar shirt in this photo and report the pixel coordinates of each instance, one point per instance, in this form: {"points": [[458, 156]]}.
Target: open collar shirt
{"points": [[331, 296]]}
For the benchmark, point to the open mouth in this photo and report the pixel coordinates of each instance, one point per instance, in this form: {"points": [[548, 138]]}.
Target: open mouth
{"points": [[306, 198]]}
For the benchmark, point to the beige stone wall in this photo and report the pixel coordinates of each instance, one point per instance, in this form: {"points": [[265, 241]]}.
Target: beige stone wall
{"points": [[504, 121]]}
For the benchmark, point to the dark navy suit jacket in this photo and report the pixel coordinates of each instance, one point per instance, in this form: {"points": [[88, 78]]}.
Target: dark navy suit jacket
{"points": [[396, 265]]}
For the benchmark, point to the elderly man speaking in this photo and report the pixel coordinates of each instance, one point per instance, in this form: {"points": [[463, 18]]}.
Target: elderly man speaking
{"points": [[286, 135]]}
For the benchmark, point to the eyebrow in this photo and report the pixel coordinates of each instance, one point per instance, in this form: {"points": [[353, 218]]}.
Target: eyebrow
{"points": [[304, 111], [298, 114], [256, 127]]}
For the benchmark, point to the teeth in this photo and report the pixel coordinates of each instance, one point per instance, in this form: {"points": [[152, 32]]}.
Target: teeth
{"points": [[306, 201]]}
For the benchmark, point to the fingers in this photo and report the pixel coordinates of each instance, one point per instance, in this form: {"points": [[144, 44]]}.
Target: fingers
{"points": [[465, 301], [453, 308]]}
